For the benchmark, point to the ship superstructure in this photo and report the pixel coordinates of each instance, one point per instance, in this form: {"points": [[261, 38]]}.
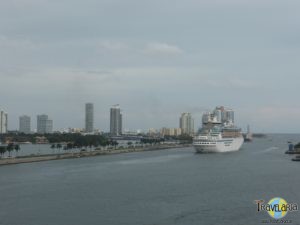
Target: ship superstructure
{"points": [[218, 133]]}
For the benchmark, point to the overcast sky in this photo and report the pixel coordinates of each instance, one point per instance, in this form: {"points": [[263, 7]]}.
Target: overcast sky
{"points": [[155, 58]]}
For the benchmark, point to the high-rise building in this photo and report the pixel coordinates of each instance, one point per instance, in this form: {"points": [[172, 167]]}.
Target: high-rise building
{"points": [[186, 123], [89, 117], [24, 124], [229, 115], [3, 122], [115, 120], [220, 115], [44, 124]]}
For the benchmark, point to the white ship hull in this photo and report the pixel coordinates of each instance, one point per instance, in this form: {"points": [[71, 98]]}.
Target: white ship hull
{"points": [[221, 145]]}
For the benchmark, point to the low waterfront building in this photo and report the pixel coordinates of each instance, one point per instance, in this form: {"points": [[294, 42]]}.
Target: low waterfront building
{"points": [[171, 131], [75, 130], [41, 140], [152, 132]]}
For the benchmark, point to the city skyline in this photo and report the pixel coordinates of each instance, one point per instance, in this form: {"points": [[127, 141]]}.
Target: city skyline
{"points": [[25, 122], [45, 125], [202, 54], [229, 114]]}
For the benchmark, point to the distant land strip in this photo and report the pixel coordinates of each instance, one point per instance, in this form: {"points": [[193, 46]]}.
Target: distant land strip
{"points": [[48, 157]]}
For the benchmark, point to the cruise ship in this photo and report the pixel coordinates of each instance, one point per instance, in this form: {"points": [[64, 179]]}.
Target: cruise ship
{"points": [[218, 133]]}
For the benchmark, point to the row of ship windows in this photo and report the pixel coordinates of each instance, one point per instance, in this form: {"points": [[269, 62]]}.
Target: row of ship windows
{"points": [[207, 143], [212, 143]]}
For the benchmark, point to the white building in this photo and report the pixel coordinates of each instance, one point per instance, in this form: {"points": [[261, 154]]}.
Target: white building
{"points": [[3, 122], [44, 124], [24, 124], [220, 115], [186, 123], [170, 131], [115, 120], [152, 131], [89, 117]]}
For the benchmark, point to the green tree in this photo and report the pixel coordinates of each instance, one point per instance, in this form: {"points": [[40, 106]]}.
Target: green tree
{"points": [[17, 149], [115, 144], [129, 143], [53, 147], [10, 148], [59, 146], [69, 146], [2, 151]]}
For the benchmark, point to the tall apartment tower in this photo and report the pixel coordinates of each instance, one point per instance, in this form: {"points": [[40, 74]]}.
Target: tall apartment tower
{"points": [[44, 124], [3, 122], [24, 124], [115, 120], [227, 115], [89, 117], [186, 123]]}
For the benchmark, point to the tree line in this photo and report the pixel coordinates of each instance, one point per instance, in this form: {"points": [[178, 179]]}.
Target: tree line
{"points": [[78, 139], [9, 148]]}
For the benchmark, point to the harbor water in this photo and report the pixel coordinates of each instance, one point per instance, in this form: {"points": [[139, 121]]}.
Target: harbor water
{"points": [[166, 187]]}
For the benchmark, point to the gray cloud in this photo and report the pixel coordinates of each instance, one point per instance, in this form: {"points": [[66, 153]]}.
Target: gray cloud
{"points": [[162, 49], [155, 58]]}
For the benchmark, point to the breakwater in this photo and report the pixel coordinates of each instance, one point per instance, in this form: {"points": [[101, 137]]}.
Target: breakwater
{"points": [[96, 152]]}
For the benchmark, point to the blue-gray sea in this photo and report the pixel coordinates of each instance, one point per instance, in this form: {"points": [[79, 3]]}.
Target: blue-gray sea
{"points": [[166, 187]]}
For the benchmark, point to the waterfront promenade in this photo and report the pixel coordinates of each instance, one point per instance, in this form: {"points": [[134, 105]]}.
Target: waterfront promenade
{"points": [[96, 152]]}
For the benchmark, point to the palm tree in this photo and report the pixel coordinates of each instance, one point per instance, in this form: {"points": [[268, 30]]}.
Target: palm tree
{"points": [[96, 145], [129, 143], [69, 146], [53, 147], [10, 148], [115, 143], [17, 148], [2, 151], [58, 146]]}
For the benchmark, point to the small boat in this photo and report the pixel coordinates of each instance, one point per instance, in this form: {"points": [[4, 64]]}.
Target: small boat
{"points": [[248, 136]]}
